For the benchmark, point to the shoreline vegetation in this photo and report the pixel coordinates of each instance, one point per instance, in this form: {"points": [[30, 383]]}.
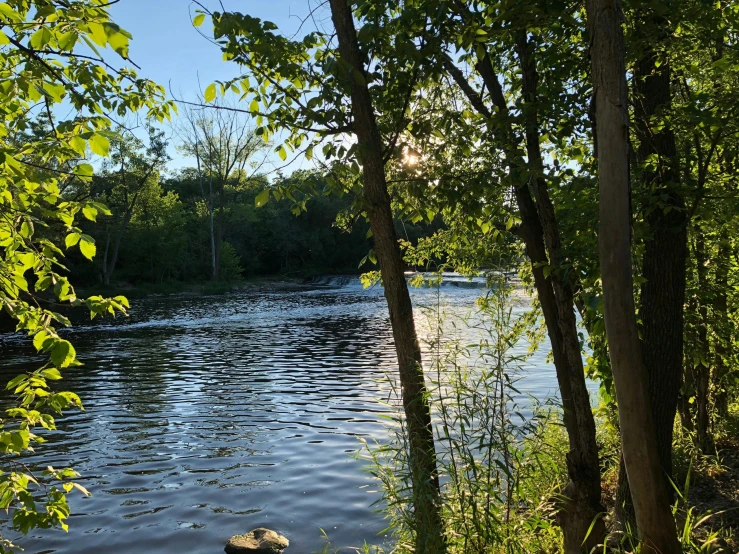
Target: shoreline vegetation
{"points": [[706, 511], [503, 461]]}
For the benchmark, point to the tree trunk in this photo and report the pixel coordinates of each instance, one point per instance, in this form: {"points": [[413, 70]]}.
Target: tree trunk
{"points": [[723, 325], [110, 267], [685, 409], [422, 456], [583, 459], [583, 507], [209, 206], [665, 252], [579, 515], [701, 369], [220, 228], [106, 277], [213, 261], [655, 524]]}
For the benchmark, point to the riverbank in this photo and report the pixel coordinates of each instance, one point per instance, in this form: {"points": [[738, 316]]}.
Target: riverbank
{"points": [[200, 288], [706, 504], [261, 284]]}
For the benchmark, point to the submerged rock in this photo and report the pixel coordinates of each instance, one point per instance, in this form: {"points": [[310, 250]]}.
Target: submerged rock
{"points": [[258, 541]]}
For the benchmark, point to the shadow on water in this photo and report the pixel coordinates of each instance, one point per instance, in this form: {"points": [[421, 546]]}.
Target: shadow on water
{"points": [[206, 417]]}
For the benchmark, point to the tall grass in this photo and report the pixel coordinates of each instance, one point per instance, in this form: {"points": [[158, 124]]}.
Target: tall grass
{"points": [[501, 455]]}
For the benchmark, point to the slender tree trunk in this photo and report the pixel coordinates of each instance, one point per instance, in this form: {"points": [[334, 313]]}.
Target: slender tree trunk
{"points": [[723, 325], [106, 277], [110, 267], [665, 252], [578, 516], [219, 229], [209, 206], [685, 408], [213, 260], [655, 524], [584, 467], [702, 369], [583, 507], [425, 482]]}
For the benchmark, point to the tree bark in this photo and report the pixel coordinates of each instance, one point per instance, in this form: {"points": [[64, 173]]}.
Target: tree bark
{"points": [[583, 459], [209, 206], [582, 508], [220, 228], [110, 265], [106, 277], [665, 252], [701, 370], [655, 524], [579, 515], [422, 456], [723, 325]]}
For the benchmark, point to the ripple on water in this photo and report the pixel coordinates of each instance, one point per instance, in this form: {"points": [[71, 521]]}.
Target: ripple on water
{"points": [[206, 417]]}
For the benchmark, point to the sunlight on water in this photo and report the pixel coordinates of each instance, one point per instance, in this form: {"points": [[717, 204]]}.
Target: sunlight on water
{"points": [[208, 416]]}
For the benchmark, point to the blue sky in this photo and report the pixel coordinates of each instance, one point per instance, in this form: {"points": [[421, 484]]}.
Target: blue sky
{"points": [[170, 50]]}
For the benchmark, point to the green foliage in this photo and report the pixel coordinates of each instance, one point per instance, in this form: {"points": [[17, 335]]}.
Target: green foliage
{"points": [[42, 69], [502, 470]]}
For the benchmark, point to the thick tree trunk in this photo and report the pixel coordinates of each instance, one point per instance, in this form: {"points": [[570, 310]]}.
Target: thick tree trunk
{"points": [[655, 524], [422, 455]]}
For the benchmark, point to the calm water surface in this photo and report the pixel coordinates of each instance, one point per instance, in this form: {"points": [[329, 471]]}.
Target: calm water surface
{"points": [[208, 416]]}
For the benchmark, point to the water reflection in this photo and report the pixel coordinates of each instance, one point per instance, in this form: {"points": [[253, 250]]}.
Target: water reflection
{"points": [[206, 417]]}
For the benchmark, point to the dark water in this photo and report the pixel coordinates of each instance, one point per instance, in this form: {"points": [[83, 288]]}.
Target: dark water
{"points": [[208, 416]]}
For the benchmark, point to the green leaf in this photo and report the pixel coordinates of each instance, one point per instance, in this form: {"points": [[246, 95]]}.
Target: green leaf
{"points": [[40, 38], [79, 145], [83, 170], [97, 33], [117, 40], [198, 20], [55, 91], [262, 198], [52, 374], [62, 353], [27, 260], [99, 144], [71, 240], [38, 339], [90, 212], [87, 246], [15, 381], [210, 93], [67, 41], [282, 153]]}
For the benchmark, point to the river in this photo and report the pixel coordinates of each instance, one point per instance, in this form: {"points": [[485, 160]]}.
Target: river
{"points": [[208, 416]]}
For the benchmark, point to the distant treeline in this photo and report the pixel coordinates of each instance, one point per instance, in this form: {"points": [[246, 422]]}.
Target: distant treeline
{"points": [[167, 234]]}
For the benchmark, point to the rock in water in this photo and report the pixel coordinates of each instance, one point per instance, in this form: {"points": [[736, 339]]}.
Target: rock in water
{"points": [[258, 541]]}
